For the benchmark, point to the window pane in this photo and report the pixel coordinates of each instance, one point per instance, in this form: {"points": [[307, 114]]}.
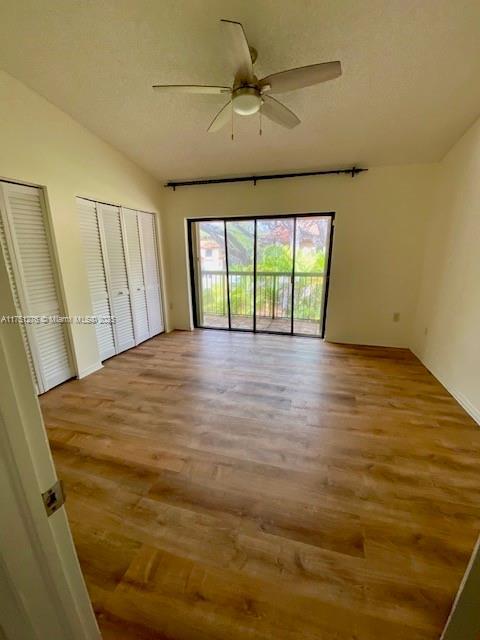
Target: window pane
{"points": [[311, 247], [274, 274], [212, 275], [240, 245]]}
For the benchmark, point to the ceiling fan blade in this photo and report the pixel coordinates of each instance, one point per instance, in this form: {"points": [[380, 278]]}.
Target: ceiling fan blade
{"points": [[301, 77], [279, 113], [239, 50], [221, 119], [191, 88]]}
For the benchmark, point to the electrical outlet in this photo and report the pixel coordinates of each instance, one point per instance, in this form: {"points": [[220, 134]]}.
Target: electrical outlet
{"points": [[396, 316], [426, 331]]}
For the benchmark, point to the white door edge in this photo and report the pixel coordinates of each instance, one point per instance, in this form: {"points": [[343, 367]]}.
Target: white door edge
{"points": [[45, 569]]}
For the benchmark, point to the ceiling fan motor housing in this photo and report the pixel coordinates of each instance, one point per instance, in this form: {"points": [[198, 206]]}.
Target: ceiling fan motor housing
{"points": [[246, 100]]}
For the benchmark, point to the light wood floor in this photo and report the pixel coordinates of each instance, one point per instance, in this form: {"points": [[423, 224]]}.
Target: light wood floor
{"points": [[225, 486]]}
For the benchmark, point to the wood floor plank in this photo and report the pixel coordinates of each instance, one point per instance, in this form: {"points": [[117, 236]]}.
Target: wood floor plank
{"points": [[224, 485]]}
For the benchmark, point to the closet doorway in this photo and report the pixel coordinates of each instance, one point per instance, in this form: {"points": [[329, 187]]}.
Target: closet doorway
{"points": [[121, 258], [266, 274]]}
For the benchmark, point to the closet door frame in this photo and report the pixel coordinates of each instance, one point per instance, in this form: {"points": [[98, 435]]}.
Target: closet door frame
{"points": [[14, 251]]}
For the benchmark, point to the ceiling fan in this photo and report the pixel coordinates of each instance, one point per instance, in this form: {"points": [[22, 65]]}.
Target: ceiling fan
{"points": [[248, 94]]}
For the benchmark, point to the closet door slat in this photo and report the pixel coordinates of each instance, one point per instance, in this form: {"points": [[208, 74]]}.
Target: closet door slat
{"points": [[113, 243], [97, 278]]}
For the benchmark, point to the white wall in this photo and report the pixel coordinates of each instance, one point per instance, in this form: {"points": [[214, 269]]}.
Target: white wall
{"points": [[40, 144], [447, 327], [378, 243]]}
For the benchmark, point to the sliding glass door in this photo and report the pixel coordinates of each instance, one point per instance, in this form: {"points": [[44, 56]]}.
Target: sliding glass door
{"points": [[240, 239], [211, 281], [262, 274], [312, 242], [274, 274]]}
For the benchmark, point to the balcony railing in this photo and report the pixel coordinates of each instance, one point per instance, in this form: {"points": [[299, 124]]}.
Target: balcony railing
{"points": [[273, 294]]}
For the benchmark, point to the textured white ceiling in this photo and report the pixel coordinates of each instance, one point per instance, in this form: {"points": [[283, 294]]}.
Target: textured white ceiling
{"points": [[409, 89]]}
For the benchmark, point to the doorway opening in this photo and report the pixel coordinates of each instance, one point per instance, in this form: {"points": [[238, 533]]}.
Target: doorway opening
{"points": [[266, 274]]}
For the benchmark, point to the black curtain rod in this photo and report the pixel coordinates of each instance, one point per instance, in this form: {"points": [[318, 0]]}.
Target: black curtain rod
{"points": [[278, 176]]}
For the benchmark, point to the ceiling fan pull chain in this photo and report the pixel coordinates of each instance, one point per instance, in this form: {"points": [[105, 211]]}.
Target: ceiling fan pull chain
{"points": [[260, 129], [232, 118]]}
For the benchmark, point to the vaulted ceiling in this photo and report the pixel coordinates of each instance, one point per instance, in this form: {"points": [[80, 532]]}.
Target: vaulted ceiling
{"points": [[409, 89]]}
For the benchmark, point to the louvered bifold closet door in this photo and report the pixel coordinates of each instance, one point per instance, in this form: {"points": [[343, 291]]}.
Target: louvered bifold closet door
{"points": [[97, 279], [116, 268], [35, 282], [151, 272], [138, 294], [16, 298]]}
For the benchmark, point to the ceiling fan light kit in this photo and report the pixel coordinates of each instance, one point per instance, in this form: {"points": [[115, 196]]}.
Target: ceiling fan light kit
{"points": [[249, 95], [246, 101]]}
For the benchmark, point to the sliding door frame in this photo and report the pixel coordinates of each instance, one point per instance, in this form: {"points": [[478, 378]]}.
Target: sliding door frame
{"points": [[227, 274], [194, 262], [255, 275]]}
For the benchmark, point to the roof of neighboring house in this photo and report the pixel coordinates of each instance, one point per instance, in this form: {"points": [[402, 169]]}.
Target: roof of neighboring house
{"points": [[209, 244]]}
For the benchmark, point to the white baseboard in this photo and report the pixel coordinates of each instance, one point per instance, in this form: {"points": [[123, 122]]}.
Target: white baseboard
{"points": [[86, 372], [463, 401]]}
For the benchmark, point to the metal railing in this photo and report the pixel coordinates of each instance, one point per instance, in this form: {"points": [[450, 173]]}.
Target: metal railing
{"points": [[273, 294]]}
